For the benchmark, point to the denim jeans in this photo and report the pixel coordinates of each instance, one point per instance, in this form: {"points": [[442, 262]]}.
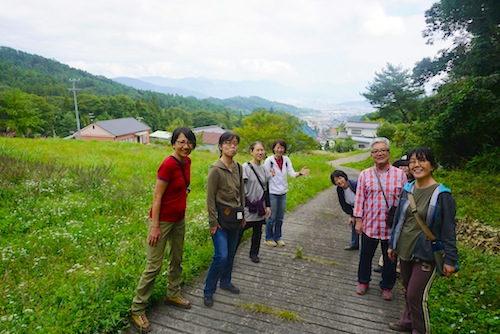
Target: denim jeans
{"points": [[221, 268], [368, 247], [354, 237], [275, 222]]}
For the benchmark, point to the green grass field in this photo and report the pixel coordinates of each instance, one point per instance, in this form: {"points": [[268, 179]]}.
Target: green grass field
{"points": [[73, 231]]}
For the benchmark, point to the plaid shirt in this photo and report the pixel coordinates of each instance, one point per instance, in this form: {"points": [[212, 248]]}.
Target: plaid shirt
{"points": [[370, 204]]}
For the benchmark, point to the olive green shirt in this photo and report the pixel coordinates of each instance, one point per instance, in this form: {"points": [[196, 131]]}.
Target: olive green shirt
{"points": [[411, 229], [225, 187]]}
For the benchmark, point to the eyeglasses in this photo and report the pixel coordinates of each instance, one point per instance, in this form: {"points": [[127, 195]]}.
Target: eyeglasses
{"points": [[182, 143], [421, 161], [383, 150], [231, 142]]}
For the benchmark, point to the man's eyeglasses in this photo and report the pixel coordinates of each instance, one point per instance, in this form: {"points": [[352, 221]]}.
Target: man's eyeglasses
{"points": [[182, 143], [383, 150]]}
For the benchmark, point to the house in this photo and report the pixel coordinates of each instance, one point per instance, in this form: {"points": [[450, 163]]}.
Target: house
{"points": [[161, 136], [122, 129], [210, 137], [361, 132]]}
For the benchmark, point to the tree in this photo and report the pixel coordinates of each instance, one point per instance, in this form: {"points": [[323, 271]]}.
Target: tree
{"points": [[19, 112], [395, 94], [267, 127], [473, 27]]}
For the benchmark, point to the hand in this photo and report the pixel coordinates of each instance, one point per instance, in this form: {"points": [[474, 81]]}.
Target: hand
{"points": [[154, 235], [213, 229], [448, 270], [359, 226], [391, 255], [304, 171], [351, 221], [273, 172], [243, 223], [268, 212]]}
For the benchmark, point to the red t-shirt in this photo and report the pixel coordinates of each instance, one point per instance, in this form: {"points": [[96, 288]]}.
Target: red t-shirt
{"points": [[173, 202]]}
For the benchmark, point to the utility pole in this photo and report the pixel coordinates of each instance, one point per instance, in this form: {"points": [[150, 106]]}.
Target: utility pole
{"points": [[74, 89]]}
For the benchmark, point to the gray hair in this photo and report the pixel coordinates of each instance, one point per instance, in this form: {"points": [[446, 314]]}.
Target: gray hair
{"points": [[381, 140]]}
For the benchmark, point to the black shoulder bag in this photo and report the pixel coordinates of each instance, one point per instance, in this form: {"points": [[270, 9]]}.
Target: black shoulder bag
{"points": [[392, 209]]}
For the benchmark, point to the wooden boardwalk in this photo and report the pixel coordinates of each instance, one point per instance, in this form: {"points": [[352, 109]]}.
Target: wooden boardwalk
{"points": [[321, 294]]}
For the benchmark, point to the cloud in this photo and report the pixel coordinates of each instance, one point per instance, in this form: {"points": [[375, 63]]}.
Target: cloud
{"points": [[297, 42]]}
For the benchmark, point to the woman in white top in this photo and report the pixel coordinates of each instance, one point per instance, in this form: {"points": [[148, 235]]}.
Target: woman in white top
{"points": [[280, 166]]}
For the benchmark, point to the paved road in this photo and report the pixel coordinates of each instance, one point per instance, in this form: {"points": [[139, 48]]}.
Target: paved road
{"points": [[321, 294]]}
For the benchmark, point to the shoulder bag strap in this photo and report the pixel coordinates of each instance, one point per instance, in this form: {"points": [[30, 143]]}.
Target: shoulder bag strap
{"points": [[258, 178], [183, 173], [424, 227], [383, 193]]}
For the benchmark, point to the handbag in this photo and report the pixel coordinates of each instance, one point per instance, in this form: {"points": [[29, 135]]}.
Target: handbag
{"points": [[392, 209], [437, 246], [230, 218]]}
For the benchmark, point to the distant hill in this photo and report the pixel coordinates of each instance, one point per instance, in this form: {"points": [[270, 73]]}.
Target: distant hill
{"points": [[212, 90]]}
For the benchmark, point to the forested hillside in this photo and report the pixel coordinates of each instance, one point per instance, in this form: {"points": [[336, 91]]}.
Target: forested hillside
{"points": [[34, 99]]}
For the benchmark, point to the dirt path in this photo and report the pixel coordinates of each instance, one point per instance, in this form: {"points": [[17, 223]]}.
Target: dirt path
{"points": [[321, 294]]}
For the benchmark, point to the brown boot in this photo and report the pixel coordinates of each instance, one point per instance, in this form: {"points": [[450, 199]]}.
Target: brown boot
{"points": [[178, 301], [141, 322], [396, 326]]}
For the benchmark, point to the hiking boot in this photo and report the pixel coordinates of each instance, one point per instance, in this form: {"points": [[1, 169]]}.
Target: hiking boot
{"points": [[362, 288], [208, 301], [387, 295], [231, 288], [141, 323], [178, 302], [271, 243], [378, 268], [396, 326], [280, 243], [255, 258]]}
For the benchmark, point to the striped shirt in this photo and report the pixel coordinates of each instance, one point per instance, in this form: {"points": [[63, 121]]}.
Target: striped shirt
{"points": [[370, 204]]}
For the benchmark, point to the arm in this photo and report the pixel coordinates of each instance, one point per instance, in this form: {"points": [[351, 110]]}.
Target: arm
{"points": [[358, 205], [345, 207], [154, 233], [447, 210], [212, 182]]}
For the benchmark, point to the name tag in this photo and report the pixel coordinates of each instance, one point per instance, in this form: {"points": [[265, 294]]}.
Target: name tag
{"points": [[239, 215]]}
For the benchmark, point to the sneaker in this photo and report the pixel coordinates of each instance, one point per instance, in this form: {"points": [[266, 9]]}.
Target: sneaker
{"points": [[280, 243], [378, 268], [396, 326], [271, 243], [387, 295], [178, 301], [141, 322], [350, 248], [208, 301], [255, 258], [362, 288], [231, 288]]}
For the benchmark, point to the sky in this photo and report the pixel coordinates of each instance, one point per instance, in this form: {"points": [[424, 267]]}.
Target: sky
{"points": [[298, 43]]}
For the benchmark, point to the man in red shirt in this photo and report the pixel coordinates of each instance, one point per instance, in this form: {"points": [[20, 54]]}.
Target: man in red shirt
{"points": [[379, 188]]}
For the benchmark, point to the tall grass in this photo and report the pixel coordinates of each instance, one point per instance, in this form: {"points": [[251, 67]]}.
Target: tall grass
{"points": [[72, 234]]}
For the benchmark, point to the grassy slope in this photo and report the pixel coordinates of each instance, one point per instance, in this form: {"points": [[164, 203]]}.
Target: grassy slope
{"points": [[72, 234]]}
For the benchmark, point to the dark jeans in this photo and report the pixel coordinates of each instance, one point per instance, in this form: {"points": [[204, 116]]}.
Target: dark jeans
{"points": [[354, 237], [256, 236], [221, 268], [368, 248]]}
